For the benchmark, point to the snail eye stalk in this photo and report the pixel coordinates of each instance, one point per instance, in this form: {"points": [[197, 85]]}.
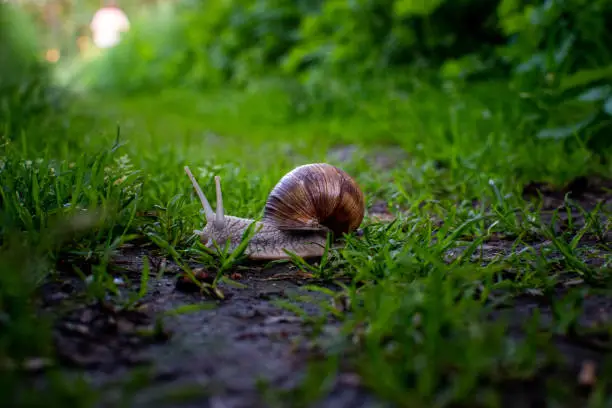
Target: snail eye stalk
{"points": [[208, 212], [220, 218]]}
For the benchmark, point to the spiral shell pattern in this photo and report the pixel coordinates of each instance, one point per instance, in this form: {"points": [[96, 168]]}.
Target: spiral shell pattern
{"points": [[316, 197]]}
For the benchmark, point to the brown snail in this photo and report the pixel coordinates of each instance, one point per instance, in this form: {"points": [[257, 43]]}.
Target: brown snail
{"points": [[306, 204]]}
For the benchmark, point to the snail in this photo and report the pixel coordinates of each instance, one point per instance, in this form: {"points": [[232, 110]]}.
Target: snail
{"points": [[306, 204]]}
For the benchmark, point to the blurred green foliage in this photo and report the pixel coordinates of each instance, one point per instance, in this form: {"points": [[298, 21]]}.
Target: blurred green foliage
{"points": [[26, 90], [210, 41], [555, 54]]}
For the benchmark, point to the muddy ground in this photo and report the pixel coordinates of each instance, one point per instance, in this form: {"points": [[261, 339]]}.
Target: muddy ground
{"points": [[215, 357]]}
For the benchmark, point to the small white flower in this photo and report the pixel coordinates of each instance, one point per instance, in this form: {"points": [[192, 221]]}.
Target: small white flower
{"points": [[123, 162], [203, 173]]}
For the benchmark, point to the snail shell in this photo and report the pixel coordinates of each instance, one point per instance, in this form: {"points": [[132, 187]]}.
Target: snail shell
{"points": [[315, 197]]}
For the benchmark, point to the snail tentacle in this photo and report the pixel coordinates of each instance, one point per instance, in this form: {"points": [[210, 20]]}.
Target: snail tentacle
{"points": [[220, 218], [208, 211]]}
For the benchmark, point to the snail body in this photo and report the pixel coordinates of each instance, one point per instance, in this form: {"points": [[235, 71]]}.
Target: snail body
{"points": [[305, 205]]}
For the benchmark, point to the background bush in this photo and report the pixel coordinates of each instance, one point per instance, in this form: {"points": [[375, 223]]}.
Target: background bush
{"points": [[554, 55], [26, 91]]}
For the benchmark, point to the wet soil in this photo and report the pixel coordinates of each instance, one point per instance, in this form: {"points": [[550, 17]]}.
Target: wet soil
{"points": [[219, 352]]}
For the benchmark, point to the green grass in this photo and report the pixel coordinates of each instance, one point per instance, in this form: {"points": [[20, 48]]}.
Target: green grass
{"points": [[416, 332]]}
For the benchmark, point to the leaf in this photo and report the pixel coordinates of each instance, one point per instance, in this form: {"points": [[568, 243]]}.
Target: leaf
{"points": [[595, 94], [564, 49], [608, 106], [584, 77], [404, 8], [565, 131], [535, 61], [190, 308]]}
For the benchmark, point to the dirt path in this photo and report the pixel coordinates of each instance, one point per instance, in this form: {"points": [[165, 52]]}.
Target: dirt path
{"points": [[216, 356]]}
